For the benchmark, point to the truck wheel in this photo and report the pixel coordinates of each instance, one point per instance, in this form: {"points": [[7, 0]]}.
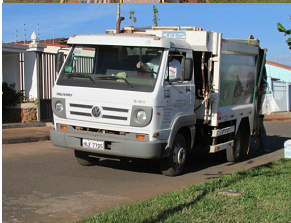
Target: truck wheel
{"points": [[174, 164], [233, 154], [84, 159]]}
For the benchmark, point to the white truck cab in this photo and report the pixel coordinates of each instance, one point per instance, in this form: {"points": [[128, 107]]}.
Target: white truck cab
{"points": [[120, 95]]}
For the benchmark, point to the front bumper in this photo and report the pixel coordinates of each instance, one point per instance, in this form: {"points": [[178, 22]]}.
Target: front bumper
{"points": [[120, 146]]}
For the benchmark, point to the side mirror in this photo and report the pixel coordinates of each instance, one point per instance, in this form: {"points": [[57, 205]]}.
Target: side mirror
{"points": [[186, 69], [59, 61]]}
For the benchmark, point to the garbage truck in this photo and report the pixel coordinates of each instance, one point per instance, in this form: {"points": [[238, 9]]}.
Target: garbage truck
{"points": [[118, 96]]}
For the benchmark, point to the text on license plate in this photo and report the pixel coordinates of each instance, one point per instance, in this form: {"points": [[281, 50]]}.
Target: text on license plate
{"points": [[93, 144]]}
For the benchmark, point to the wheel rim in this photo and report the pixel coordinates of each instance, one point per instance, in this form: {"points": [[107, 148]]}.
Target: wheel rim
{"points": [[179, 156]]}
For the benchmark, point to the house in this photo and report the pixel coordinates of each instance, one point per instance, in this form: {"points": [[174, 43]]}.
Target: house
{"points": [[279, 79], [31, 69], [13, 54]]}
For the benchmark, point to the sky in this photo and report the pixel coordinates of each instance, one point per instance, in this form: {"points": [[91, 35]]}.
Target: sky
{"points": [[233, 20]]}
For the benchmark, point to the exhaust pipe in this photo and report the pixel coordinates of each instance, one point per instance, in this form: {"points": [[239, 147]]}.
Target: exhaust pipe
{"points": [[118, 24]]}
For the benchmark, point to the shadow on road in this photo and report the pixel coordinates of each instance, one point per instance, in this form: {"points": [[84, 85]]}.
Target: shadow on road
{"points": [[199, 162], [196, 161]]}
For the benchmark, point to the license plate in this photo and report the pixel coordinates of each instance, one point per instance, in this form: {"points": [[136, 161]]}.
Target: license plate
{"points": [[93, 144]]}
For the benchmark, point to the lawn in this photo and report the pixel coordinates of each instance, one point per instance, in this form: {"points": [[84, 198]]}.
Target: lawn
{"points": [[261, 194], [31, 1], [250, 1], [213, 1]]}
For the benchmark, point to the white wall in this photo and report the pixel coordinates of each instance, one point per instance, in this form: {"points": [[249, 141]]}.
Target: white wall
{"points": [[11, 69], [280, 88], [277, 72], [54, 49]]}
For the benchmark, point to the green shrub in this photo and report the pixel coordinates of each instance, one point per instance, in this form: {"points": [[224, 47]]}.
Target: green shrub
{"points": [[10, 97]]}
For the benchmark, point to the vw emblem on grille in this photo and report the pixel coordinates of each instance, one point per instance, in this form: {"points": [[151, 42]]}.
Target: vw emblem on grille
{"points": [[96, 111]]}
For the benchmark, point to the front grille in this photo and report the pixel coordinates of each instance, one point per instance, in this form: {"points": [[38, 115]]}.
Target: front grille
{"points": [[115, 109], [81, 106], [80, 113], [112, 115]]}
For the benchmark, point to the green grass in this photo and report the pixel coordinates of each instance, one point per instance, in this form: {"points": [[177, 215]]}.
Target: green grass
{"points": [[250, 1], [31, 1], [212, 1], [265, 197]]}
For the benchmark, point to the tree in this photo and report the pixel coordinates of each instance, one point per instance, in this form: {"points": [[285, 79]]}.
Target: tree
{"points": [[155, 19], [281, 28], [132, 17]]}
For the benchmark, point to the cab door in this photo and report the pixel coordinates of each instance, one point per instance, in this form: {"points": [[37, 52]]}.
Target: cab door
{"points": [[178, 91]]}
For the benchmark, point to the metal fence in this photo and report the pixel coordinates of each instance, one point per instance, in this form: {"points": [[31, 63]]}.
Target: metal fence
{"points": [[47, 76], [83, 64]]}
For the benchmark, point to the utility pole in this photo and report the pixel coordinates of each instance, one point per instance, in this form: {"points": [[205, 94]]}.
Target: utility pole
{"points": [[118, 11]]}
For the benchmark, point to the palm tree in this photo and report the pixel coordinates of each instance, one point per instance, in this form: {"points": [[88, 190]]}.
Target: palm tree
{"points": [[132, 17]]}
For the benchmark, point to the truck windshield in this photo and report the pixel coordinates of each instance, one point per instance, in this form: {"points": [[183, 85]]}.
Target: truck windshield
{"points": [[112, 67]]}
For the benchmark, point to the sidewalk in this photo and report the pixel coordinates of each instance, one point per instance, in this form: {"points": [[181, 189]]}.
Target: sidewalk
{"points": [[34, 132], [278, 116], [21, 133]]}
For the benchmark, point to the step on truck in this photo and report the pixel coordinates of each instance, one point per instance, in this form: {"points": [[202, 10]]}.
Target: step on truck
{"points": [[119, 96]]}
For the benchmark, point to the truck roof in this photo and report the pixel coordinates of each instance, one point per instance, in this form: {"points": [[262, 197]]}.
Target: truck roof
{"points": [[163, 37], [122, 39]]}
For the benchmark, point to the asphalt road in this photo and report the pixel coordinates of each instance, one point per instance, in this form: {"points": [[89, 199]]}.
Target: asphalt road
{"points": [[43, 183]]}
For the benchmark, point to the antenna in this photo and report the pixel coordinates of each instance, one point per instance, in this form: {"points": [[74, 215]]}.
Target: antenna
{"points": [[16, 36], [24, 33], [54, 37], [37, 34]]}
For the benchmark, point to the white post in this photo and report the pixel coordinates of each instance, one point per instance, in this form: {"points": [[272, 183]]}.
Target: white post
{"points": [[32, 71]]}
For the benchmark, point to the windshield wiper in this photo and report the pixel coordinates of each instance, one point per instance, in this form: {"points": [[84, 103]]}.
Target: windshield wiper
{"points": [[91, 79], [116, 78], [82, 75]]}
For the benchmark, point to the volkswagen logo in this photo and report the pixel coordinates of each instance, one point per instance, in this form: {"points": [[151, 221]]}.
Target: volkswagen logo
{"points": [[96, 112]]}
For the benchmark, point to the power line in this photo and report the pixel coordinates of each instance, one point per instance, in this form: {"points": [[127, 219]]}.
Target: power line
{"points": [[92, 17]]}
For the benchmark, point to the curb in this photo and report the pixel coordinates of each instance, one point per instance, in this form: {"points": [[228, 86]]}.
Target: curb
{"points": [[25, 139], [13, 133], [23, 125], [277, 118]]}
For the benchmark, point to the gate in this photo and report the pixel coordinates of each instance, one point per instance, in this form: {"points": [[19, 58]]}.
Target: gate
{"points": [[46, 80], [281, 94]]}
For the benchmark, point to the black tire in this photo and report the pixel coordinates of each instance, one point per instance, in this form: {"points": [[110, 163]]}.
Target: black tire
{"points": [[241, 145], [174, 164], [84, 159]]}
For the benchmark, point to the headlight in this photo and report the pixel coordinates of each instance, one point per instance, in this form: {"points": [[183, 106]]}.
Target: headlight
{"points": [[141, 116], [59, 106]]}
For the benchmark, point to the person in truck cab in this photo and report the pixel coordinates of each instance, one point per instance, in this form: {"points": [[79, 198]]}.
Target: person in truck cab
{"points": [[153, 64], [174, 68]]}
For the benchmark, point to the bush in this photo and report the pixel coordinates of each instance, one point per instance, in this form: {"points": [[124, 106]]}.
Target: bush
{"points": [[10, 97]]}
